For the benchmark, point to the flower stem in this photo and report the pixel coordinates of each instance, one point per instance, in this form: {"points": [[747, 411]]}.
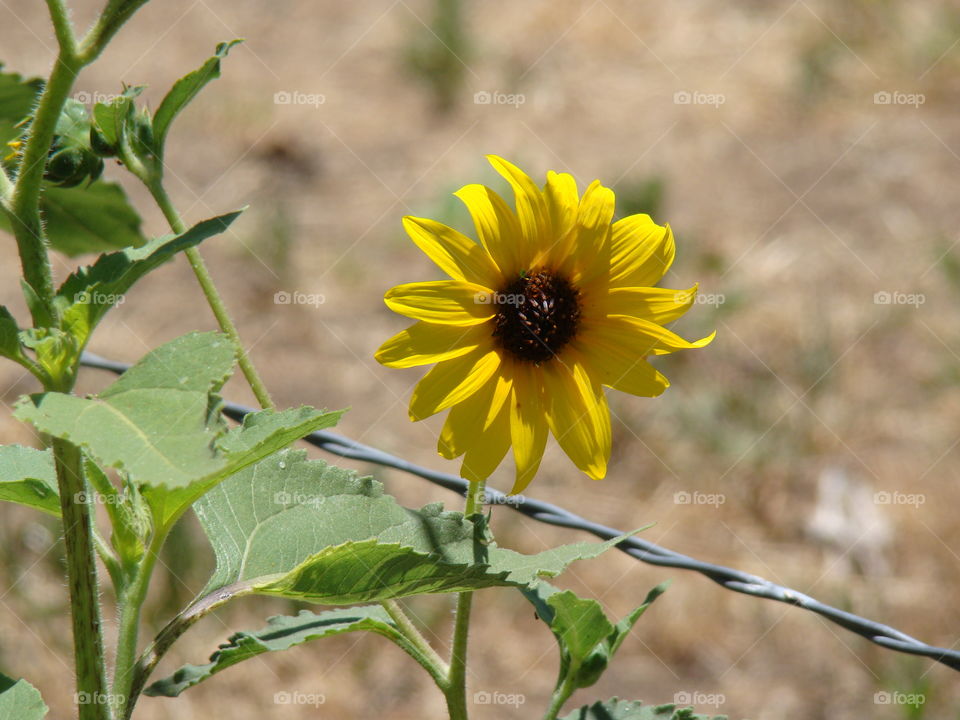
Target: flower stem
{"points": [[456, 692], [559, 697], [131, 598], [82, 579], [216, 303]]}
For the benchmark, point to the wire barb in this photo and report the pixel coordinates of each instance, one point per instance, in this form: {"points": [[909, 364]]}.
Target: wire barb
{"points": [[643, 550]]}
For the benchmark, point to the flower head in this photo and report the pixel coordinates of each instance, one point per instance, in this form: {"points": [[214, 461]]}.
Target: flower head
{"points": [[554, 303]]}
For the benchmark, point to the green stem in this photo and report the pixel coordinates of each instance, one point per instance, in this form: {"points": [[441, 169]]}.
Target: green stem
{"points": [[131, 601], [456, 692], [110, 21], [82, 579], [216, 303], [560, 696], [25, 200], [419, 648]]}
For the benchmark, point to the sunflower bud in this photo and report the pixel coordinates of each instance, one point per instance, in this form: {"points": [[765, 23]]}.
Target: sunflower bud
{"points": [[72, 158]]}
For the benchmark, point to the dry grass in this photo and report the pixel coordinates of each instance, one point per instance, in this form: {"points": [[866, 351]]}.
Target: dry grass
{"points": [[797, 199]]}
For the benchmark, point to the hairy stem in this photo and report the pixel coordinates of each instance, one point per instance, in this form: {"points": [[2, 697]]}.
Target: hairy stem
{"points": [[457, 684], [131, 602], [216, 303], [82, 579], [559, 697], [419, 649], [25, 201]]}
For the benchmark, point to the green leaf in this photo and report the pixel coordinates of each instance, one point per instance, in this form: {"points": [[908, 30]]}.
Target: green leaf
{"points": [[112, 118], [87, 218], [28, 477], [304, 529], [21, 700], [587, 638], [160, 423], [10, 337], [89, 293], [281, 633], [17, 97], [183, 91], [615, 709], [90, 218]]}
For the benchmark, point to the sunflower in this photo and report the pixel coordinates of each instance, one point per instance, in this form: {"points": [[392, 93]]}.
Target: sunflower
{"points": [[554, 303]]}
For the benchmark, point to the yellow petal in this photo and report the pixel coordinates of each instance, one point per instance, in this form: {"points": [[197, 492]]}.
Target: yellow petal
{"points": [[562, 198], [497, 228], [487, 451], [576, 415], [638, 337], [452, 381], [424, 343], [591, 254], [658, 305], [615, 366], [468, 419], [531, 207], [641, 252], [528, 424], [449, 302], [456, 254]]}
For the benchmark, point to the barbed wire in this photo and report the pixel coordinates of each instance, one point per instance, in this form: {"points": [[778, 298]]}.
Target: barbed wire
{"points": [[644, 550]]}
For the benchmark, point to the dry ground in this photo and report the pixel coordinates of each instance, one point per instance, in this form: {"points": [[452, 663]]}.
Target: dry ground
{"points": [[797, 199]]}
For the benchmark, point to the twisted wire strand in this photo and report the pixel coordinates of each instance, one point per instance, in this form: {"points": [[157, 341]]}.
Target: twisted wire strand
{"points": [[644, 550]]}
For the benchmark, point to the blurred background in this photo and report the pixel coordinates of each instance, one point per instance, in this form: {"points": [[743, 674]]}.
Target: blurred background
{"points": [[807, 155]]}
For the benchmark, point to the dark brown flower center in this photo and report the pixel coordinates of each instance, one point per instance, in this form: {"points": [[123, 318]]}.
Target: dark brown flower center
{"points": [[536, 316]]}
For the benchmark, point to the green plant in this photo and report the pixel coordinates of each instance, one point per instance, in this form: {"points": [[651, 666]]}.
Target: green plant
{"points": [[153, 445]]}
